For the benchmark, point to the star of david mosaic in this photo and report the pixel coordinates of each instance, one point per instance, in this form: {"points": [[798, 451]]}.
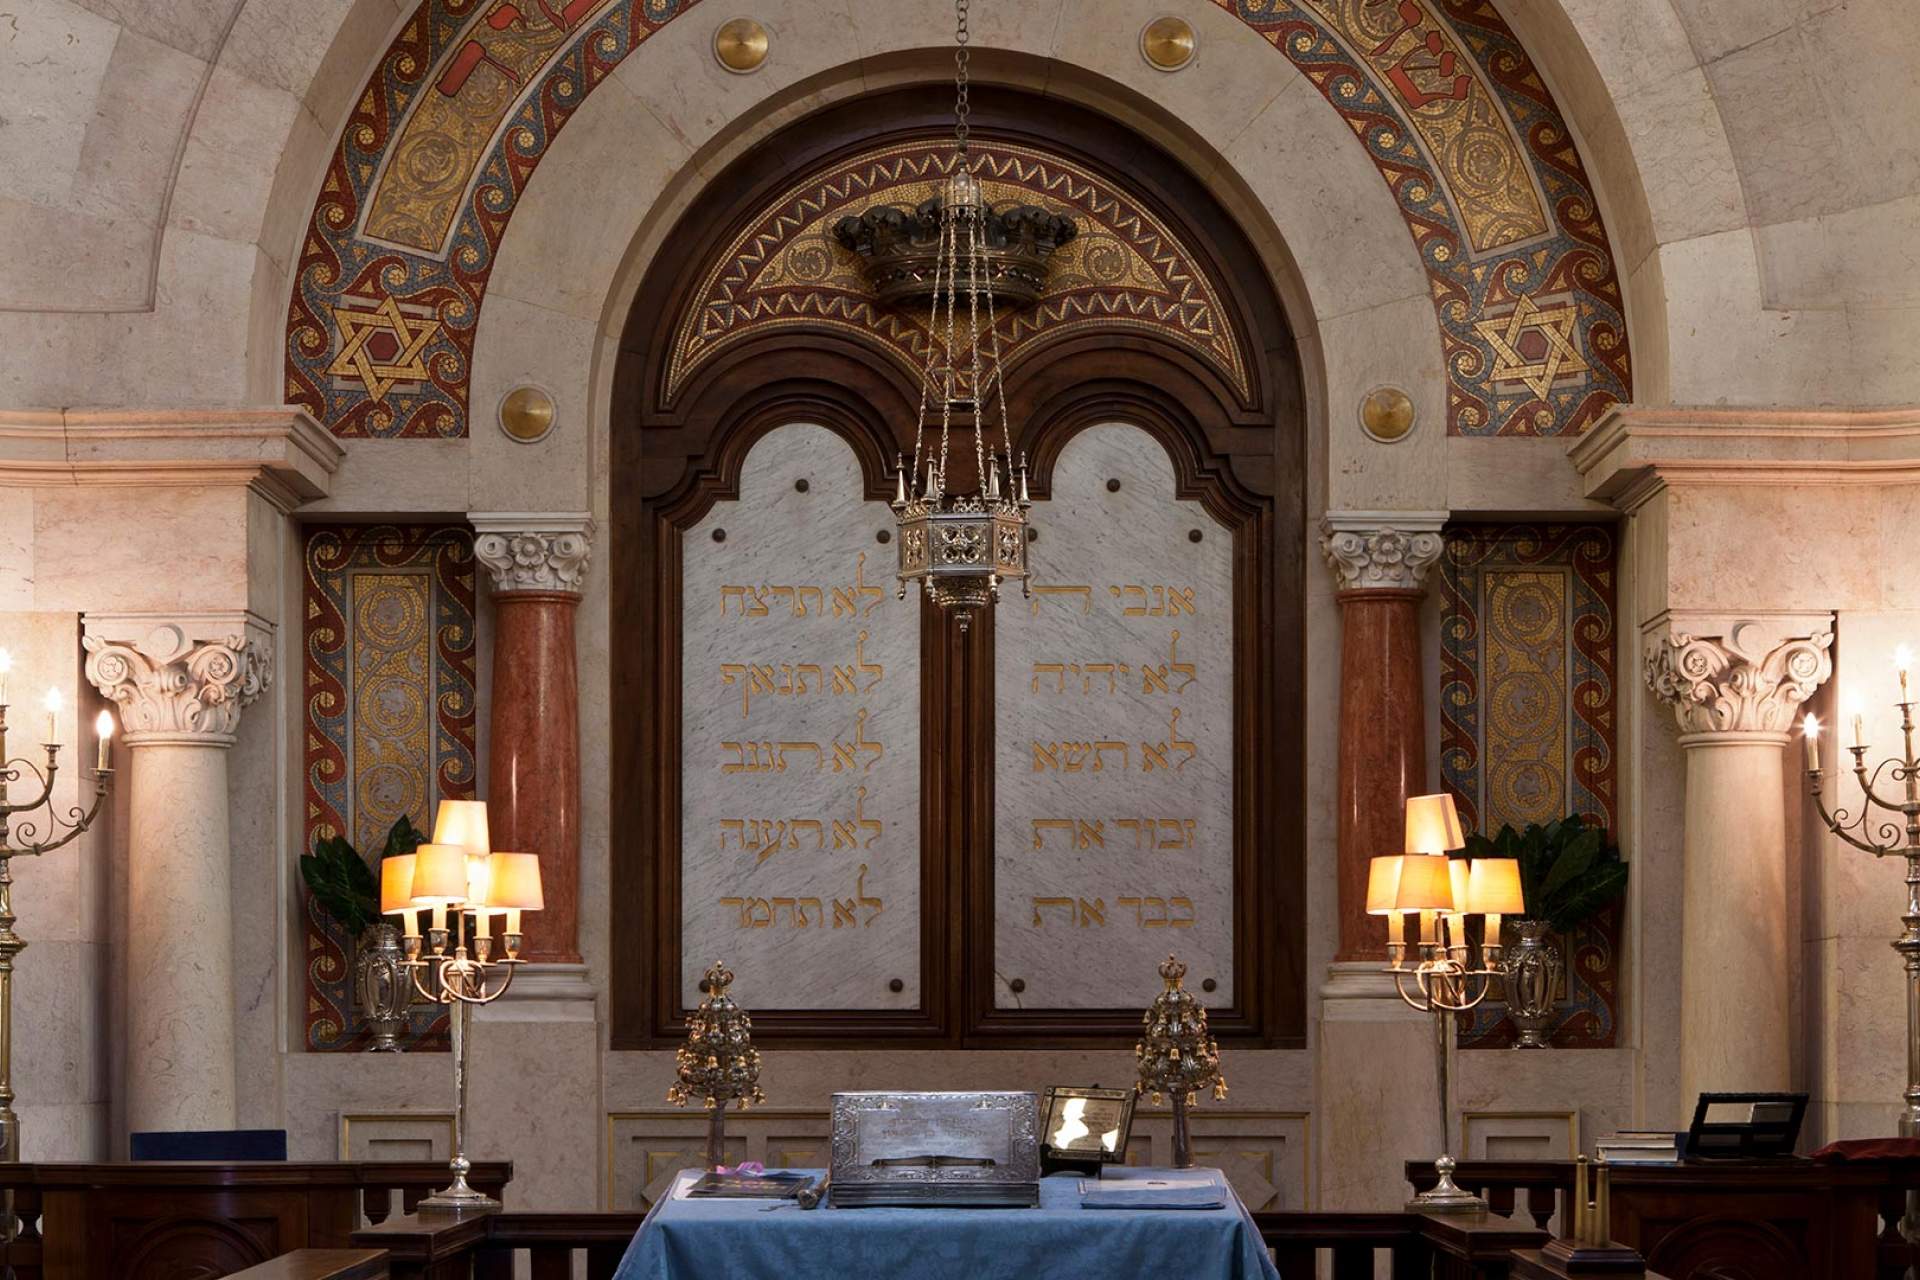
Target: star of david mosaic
{"points": [[383, 343], [1534, 345]]}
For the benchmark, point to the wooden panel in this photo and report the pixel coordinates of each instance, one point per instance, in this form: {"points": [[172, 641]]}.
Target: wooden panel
{"points": [[1237, 452]]}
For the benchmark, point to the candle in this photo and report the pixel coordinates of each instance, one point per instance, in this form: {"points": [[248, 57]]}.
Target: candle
{"points": [[440, 916], [1810, 730], [1456, 935], [1491, 938], [482, 923], [1902, 661], [103, 725], [6, 665], [1859, 731], [513, 920], [1426, 926], [53, 716], [1396, 928]]}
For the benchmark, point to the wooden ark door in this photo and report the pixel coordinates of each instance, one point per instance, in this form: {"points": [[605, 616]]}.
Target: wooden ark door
{"points": [[894, 831]]}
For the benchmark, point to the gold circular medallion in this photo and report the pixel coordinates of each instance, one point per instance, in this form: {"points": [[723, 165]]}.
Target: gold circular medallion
{"points": [[526, 414], [740, 45], [1168, 43], [1387, 413]]}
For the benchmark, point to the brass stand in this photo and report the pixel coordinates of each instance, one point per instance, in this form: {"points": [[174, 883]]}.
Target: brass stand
{"points": [[58, 831], [460, 982]]}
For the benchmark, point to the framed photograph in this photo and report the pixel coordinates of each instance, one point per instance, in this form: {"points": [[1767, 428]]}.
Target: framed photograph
{"points": [[1085, 1126]]}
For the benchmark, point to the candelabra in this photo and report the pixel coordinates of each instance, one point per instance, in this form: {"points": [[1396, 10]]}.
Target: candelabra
{"points": [[1884, 837], [1445, 981], [36, 837], [458, 876]]}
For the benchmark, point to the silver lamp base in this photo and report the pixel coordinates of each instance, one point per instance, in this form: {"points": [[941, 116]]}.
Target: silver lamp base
{"points": [[1446, 1197], [459, 1196]]}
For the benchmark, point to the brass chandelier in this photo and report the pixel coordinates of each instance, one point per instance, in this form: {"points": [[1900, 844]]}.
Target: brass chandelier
{"points": [[961, 546]]}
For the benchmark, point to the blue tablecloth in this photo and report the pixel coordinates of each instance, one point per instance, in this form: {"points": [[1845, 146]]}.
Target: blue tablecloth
{"points": [[744, 1240]]}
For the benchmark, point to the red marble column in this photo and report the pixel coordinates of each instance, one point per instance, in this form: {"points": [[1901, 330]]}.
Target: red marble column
{"points": [[533, 782], [1383, 757]]}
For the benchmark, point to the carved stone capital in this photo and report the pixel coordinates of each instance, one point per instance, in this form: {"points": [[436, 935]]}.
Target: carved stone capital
{"points": [[1739, 675], [531, 551], [1381, 549], [179, 678]]}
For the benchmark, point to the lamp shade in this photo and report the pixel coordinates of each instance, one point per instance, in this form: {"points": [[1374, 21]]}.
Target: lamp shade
{"points": [[463, 823], [514, 882], [1426, 884], [478, 877], [1383, 883], [396, 884], [1433, 824], [439, 875], [1493, 886], [1458, 869]]}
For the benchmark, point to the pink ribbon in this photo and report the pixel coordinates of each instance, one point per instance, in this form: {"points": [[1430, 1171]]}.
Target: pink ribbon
{"points": [[745, 1169]]}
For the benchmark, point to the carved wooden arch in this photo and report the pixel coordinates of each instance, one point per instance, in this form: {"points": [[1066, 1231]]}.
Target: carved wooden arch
{"points": [[1238, 449]]}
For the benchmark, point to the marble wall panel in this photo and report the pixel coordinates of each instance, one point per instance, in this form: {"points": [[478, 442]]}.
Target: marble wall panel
{"points": [[800, 739], [1113, 769]]}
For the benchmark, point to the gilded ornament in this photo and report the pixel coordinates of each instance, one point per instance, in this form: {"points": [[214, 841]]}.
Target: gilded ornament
{"points": [[1168, 43], [1386, 414], [527, 414], [740, 45]]}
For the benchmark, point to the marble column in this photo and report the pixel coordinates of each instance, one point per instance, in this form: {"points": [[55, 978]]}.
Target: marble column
{"points": [[537, 563], [1380, 560], [1735, 686], [179, 683]]}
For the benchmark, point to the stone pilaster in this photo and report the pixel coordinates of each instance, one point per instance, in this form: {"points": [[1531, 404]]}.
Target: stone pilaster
{"points": [[1375, 1055], [538, 563], [1735, 686], [180, 683], [1380, 562]]}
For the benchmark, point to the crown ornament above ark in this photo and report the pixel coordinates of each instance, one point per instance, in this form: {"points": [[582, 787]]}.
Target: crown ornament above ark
{"points": [[899, 250]]}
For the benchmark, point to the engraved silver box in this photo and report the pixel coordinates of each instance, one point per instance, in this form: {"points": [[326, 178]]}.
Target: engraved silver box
{"points": [[949, 1149]]}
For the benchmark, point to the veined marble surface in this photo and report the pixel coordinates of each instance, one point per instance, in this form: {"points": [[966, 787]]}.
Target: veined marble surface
{"points": [[800, 740], [1113, 843]]}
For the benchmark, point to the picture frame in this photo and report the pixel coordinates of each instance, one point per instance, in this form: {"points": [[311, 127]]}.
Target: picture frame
{"points": [[1084, 1128]]}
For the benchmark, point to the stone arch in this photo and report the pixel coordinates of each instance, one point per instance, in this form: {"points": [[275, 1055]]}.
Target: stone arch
{"points": [[1443, 100]]}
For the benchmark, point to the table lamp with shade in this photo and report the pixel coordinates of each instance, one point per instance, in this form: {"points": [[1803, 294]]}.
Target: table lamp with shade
{"points": [[1445, 892], [457, 876]]}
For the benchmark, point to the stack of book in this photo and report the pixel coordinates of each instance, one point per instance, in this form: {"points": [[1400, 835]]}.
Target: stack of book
{"points": [[1639, 1146]]}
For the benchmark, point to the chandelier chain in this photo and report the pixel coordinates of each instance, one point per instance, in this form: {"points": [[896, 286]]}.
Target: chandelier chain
{"points": [[961, 107]]}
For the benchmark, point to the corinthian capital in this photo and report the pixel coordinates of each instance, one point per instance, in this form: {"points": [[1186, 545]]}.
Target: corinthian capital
{"points": [[1739, 675], [533, 551], [179, 678], [1381, 549]]}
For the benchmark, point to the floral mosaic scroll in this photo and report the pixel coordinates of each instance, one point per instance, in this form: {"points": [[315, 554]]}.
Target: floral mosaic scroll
{"points": [[1528, 718], [388, 712]]}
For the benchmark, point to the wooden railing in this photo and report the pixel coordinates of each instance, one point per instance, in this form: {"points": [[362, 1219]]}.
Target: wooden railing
{"points": [[1415, 1246], [1839, 1220], [113, 1220]]}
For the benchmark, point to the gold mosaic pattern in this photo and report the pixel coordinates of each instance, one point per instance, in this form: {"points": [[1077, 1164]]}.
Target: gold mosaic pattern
{"points": [[1126, 269], [447, 133], [1418, 58], [1525, 687], [392, 764]]}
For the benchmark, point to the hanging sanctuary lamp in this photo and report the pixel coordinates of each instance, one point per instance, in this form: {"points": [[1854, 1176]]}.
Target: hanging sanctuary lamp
{"points": [[955, 253]]}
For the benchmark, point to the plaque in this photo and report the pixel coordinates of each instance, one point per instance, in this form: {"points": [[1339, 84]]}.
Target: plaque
{"points": [[800, 738], [1114, 719], [935, 1149]]}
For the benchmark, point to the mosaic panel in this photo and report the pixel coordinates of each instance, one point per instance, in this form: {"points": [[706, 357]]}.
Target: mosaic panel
{"points": [[389, 720], [471, 93], [1528, 719], [1124, 270]]}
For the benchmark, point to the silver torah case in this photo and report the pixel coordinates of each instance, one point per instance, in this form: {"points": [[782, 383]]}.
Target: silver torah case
{"points": [[937, 1149]]}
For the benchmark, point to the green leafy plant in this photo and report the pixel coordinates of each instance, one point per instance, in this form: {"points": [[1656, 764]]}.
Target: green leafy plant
{"points": [[342, 882], [1569, 870]]}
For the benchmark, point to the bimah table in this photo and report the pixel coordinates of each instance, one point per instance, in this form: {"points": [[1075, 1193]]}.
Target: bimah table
{"points": [[687, 1239]]}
